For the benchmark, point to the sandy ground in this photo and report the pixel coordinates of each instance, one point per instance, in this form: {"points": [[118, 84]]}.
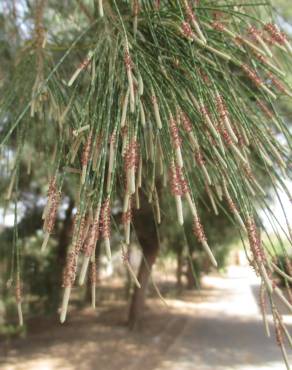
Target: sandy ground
{"points": [[218, 328]]}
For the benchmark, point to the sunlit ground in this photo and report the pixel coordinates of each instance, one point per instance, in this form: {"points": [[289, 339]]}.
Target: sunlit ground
{"points": [[236, 340], [218, 328]]}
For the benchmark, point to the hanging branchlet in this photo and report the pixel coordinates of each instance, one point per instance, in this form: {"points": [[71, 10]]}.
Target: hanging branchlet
{"points": [[232, 206], [176, 191], [113, 139], [136, 9], [182, 180], [187, 31], [199, 231], [125, 108], [69, 275], [129, 66], [187, 126], [201, 237], [268, 113], [252, 75], [251, 177], [106, 225], [90, 244], [262, 300], [229, 142], [81, 226], [277, 36], [100, 8], [131, 165], [93, 281], [254, 240], [40, 41], [126, 220], [126, 261], [264, 60], [256, 35], [206, 116], [176, 140], [86, 156], [279, 318], [200, 161], [193, 21], [81, 233], [82, 66], [219, 26], [211, 197], [156, 109], [70, 269], [18, 298], [280, 340], [224, 115], [278, 85], [50, 211], [237, 39], [157, 206]]}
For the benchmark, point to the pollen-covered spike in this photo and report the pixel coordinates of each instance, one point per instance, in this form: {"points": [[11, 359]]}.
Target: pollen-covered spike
{"points": [[257, 36], [129, 67], [50, 211], [126, 220], [105, 226], [252, 75], [223, 113], [192, 19], [279, 86], [200, 235], [176, 140], [86, 156], [131, 164], [80, 68]]}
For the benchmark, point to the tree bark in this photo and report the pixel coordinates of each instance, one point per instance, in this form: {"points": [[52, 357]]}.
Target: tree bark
{"points": [[191, 281], [179, 268], [146, 231]]}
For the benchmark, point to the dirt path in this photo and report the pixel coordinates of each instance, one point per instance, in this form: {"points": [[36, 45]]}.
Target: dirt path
{"points": [[227, 331], [218, 328]]}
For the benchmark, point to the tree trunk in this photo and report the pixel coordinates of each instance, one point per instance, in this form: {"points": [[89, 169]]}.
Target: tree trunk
{"points": [[191, 281], [145, 228], [179, 268]]}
